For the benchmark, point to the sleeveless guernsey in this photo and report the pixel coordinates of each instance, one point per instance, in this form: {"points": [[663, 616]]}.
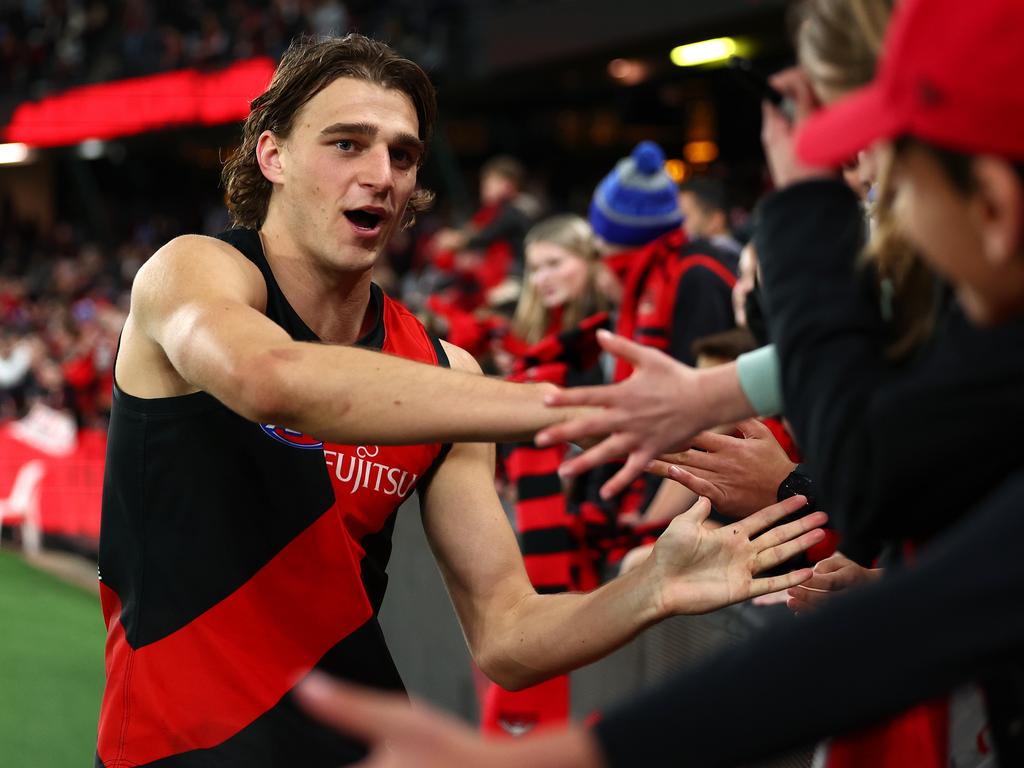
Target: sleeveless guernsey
{"points": [[235, 557]]}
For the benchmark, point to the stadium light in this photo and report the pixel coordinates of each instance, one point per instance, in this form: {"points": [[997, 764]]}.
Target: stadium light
{"points": [[15, 154], [699, 152], [704, 52], [676, 169]]}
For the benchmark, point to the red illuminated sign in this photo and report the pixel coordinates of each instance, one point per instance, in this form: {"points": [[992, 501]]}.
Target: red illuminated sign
{"points": [[126, 107]]}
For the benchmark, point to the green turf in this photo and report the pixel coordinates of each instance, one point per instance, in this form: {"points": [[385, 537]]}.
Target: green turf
{"points": [[51, 669]]}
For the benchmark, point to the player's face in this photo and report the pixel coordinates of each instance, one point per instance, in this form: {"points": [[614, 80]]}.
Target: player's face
{"points": [[557, 275], [349, 168], [972, 239]]}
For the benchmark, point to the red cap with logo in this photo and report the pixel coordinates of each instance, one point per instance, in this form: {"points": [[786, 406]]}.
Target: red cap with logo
{"points": [[951, 73]]}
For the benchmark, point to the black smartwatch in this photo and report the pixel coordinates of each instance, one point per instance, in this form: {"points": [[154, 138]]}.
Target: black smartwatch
{"points": [[798, 483]]}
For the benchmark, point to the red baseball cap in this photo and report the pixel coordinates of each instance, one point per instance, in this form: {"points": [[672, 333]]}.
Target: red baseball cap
{"points": [[951, 73]]}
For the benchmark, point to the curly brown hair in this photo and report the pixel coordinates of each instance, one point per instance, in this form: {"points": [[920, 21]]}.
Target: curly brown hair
{"points": [[308, 66]]}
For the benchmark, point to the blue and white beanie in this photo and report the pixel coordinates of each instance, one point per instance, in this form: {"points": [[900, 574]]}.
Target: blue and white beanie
{"points": [[637, 202]]}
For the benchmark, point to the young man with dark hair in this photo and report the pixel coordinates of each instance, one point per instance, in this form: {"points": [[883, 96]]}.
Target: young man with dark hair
{"points": [[948, 101], [257, 455], [705, 207]]}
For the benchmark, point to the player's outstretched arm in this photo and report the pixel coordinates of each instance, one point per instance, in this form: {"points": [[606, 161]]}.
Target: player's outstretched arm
{"points": [[197, 323], [661, 406], [519, 638]]}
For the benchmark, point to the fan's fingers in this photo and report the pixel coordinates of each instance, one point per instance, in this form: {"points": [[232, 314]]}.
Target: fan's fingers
{"points": [[768, 584]]}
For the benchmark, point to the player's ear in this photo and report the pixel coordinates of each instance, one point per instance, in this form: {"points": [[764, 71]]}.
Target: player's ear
{"points": [[269, 156], [999, 208]]}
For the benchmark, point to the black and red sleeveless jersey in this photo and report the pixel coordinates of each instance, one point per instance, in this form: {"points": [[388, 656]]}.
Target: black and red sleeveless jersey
{"points": [[235, 557]]}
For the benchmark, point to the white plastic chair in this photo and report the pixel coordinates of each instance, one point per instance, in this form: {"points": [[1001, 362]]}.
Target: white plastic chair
{"points": [[23, 505]]}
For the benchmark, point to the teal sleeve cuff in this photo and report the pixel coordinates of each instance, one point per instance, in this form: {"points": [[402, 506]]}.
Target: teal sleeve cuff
{"points": [[758, 372]]}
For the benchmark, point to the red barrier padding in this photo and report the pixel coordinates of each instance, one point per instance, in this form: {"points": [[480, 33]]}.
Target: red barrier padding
{"points": [[71, 487]]}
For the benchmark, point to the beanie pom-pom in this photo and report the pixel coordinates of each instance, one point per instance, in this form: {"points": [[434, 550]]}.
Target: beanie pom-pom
{"points": [[648, 157]]}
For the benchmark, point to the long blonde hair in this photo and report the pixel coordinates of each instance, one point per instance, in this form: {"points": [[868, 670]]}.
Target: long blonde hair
{"points": [[532, 319], [838, 43]]}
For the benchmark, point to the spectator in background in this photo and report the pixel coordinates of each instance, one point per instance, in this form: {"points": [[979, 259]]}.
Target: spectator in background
{"points": [[490, 247], [673, 292], [552, 339], [15, 366], [705, 208]]}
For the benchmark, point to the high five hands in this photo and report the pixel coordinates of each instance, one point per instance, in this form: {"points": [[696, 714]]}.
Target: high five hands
{"points": [[739, 475], [659, 408], [699, 568]]}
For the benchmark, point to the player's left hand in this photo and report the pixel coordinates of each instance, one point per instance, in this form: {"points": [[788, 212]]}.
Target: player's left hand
{"points": [[698, 568]]}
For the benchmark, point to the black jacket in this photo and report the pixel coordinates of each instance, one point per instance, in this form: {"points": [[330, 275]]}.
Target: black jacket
{"points": [[916, 633], [896, 451]]}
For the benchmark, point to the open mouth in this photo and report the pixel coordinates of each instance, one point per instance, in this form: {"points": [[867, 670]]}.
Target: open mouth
{"points": [[363, 219]]}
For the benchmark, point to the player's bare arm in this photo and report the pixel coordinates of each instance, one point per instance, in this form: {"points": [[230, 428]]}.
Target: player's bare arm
{"points": [[196, 323], [519, 638]]}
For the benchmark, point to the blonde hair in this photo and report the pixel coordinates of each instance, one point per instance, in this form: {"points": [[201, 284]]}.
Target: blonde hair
{"points": [[838, 43], [532, 319]]}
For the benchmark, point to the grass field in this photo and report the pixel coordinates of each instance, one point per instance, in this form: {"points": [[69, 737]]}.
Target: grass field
{"points": [[51, 669]]}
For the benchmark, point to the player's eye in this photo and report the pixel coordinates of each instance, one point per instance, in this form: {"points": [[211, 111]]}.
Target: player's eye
{"points": [[403, 158]]}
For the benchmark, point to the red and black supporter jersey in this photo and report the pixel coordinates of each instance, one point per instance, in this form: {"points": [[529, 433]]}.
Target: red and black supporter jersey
{"points": [[674, 291], [235, 557]]}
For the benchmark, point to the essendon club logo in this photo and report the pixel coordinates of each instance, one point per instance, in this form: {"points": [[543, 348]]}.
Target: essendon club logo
{"points": [[292, 438]]}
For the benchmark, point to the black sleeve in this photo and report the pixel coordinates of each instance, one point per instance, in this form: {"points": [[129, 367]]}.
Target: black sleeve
{"points": [[703, 305], [828, 333], [878, 435], [913, 635]]}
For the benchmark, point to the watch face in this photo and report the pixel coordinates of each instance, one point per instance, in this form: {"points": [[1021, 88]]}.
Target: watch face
{"points": [[796, 484]]}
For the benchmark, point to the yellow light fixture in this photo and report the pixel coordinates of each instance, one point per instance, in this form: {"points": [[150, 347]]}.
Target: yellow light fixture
{"points": [[704, 52]]}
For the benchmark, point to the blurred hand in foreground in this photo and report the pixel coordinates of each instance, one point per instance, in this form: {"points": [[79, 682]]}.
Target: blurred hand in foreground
{"points": [[402, 736]]}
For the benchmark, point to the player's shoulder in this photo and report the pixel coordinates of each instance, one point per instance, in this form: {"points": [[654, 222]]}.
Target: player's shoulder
{"points": [[197, 264], [197, 253], [459, 359]]}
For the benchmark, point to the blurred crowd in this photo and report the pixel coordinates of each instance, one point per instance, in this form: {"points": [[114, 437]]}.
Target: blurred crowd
{"points": [[49, 45]]}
